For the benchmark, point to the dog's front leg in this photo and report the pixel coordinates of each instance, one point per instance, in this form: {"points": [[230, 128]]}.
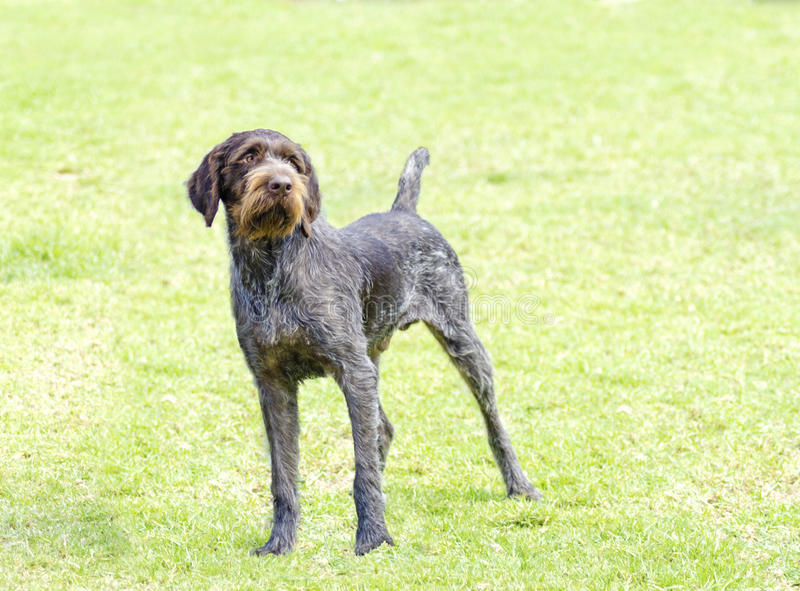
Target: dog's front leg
{"points": [[279, 410], [358, 379]]}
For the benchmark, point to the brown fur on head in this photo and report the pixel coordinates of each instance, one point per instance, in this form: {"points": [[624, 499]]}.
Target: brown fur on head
{"points": [[265, 180]]}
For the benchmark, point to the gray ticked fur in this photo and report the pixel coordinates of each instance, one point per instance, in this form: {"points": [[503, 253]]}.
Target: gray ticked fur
{"points": [[327, 304]]}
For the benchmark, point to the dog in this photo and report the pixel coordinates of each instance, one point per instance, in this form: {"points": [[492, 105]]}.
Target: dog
{"points": [[311, 300]]}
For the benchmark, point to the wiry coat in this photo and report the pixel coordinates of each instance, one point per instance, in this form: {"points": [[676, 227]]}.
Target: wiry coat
{"points": [[311, 300]]}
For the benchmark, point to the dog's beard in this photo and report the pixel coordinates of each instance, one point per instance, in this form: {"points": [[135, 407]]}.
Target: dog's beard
{"points": [[263, 215]]}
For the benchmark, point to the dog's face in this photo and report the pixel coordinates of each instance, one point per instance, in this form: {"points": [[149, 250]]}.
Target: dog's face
{"points": [[265, 181]]}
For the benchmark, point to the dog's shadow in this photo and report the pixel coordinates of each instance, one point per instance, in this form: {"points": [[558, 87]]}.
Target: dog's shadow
{"points": [[442, 501]]}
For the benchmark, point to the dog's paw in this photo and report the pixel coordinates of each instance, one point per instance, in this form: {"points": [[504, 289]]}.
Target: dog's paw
{"points": [[273, 546], [526, 490], [369, 539]]}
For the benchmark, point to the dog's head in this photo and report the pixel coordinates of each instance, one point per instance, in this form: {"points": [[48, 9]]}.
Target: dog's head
{"points": [[265, 181]]}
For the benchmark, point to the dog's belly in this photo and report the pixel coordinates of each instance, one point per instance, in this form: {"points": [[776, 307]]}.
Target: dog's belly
{"points": [[384, 306]]}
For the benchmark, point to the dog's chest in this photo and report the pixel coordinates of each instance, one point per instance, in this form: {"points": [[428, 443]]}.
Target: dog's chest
{"points": [[274, 339], [264, 318]]}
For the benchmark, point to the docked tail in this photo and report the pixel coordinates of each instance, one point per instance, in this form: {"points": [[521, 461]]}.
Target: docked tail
{"points": [[408, 186]]}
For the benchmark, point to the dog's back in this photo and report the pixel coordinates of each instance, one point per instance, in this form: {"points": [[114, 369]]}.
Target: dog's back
{"points": [[416, 246], [411, 271]]}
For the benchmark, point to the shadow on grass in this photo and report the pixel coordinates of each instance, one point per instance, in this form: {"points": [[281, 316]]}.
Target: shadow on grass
{"points": [[443, 501]]}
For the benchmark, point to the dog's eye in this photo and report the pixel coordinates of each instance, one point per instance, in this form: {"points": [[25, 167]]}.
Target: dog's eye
{"points": [[249, 158], [296, 163]]}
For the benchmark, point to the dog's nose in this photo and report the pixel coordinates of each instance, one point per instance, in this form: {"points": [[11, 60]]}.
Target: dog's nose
{"points": [[280, 184]]}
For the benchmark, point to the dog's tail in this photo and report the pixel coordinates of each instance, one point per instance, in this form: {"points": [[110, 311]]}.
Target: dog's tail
{"points": [[408, 185]]}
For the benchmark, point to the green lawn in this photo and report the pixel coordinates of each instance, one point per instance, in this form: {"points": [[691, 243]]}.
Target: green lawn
{"points": [[621, 183]]}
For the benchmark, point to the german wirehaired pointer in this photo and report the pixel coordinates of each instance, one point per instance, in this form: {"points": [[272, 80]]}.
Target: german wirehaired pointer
{"points": [[312, 300]]}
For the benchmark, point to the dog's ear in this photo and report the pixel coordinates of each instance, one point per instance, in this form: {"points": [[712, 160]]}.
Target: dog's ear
{"points": [[204, 184], [313, 201]]}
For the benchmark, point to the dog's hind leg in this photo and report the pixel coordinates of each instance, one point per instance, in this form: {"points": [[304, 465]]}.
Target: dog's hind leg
{"points": [[385, 428], [457, 336], [385, 435]]}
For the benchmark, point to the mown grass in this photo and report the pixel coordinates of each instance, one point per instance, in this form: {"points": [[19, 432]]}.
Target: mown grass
{"points": [[627, 171]]}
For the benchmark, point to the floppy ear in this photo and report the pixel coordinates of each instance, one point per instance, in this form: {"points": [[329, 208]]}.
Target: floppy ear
{"points": [[313, 198], [204, 184]]}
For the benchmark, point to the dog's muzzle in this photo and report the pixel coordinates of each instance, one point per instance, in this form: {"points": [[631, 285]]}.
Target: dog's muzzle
{"points": [[272, 204]]}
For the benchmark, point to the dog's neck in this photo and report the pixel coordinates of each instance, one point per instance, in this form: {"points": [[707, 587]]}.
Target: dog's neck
{"points": [[261, 264]]}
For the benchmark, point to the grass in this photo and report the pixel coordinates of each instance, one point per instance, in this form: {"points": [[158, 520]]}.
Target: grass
{"points": [[620, 180]]}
